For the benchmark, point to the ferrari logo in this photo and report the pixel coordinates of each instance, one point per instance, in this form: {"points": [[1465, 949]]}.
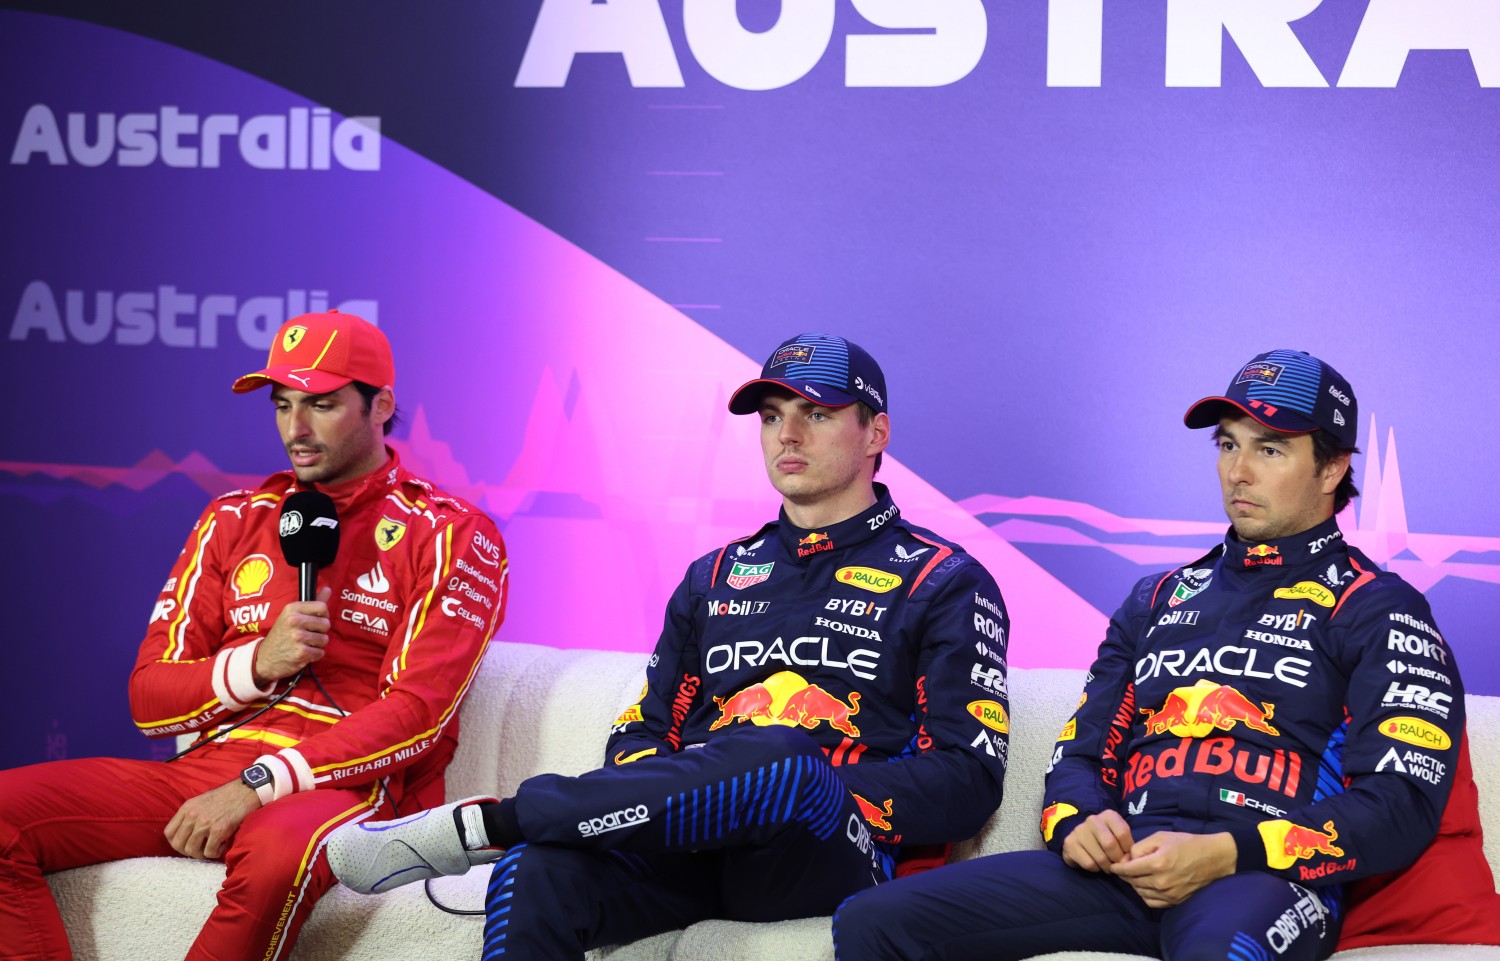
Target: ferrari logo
{"points": [[292, 338], [388, 533]]}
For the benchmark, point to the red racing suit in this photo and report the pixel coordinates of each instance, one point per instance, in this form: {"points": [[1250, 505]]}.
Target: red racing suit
{"points": [[418, 588]]}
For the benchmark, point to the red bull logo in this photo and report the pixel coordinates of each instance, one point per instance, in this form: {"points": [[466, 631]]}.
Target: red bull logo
{"points": [[1053, 813], [744, 705], [813, 543], [792, 354], [813, 705], [1262, 554], [787, 698], [1278, 770], [879, 817], [1287, 843], [1198, 710], [1259, 373]]}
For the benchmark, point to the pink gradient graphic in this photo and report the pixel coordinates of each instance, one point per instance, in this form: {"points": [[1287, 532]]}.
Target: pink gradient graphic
{"points": [[152, 469], [1376, 524], [694, 482]]}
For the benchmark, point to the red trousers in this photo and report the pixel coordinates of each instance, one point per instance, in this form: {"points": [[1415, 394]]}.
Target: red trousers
{"points": [[65, 814]]}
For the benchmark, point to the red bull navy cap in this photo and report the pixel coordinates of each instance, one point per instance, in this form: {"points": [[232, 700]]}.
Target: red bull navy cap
{"points": [[824, 369], [319, 353], [1290, 391]]}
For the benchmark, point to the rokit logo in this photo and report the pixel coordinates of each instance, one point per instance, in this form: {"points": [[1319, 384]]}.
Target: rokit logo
{"points": [[166, 315], [301, 139]]}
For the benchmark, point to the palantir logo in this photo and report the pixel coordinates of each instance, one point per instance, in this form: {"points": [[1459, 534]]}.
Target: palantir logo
{"points": [[301, 139]]}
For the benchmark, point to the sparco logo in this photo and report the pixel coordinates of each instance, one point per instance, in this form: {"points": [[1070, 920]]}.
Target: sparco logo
{"points": [[623, 818], [302, 139]]}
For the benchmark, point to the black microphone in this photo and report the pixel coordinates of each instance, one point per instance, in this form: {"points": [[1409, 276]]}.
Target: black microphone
{"points": [[309, 537]]}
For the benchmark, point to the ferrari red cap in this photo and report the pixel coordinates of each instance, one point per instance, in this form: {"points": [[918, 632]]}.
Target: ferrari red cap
{"points": [[319, 353]]}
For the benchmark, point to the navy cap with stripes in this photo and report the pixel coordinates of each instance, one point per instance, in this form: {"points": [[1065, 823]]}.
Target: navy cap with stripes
{"points": [[822, 368], [1289, 391]]}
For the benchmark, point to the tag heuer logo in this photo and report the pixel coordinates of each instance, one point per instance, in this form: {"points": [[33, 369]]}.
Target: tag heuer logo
{"points": [[742, 576]]}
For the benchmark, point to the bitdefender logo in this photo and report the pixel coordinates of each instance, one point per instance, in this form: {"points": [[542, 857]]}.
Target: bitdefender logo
{"points": [[301, 139]]}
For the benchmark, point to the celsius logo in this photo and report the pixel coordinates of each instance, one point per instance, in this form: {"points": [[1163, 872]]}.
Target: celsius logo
{"points": [[165, 315], [905, 44], [303, 139]]}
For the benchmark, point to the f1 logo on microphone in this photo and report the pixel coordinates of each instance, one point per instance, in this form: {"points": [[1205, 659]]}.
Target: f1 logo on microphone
{"points": [[325, 522]]}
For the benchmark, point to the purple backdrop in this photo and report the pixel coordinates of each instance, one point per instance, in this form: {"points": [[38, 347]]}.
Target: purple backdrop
{"points": [[574, 278]]}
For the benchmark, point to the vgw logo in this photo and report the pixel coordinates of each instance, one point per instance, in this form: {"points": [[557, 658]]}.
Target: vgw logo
{"points": [[300, 140], [943, 41]]}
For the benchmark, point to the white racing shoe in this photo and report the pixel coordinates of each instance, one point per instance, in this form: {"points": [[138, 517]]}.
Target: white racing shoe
{"points": [[375, 856]]}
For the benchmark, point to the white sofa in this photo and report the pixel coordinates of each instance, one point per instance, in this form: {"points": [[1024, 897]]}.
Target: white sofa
{"points": [[536, 709]]}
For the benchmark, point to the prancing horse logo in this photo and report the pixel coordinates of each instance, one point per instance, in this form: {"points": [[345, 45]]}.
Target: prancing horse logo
{"points": [[388, 533]]}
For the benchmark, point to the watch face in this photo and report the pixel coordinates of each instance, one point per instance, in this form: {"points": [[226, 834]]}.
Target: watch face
{"points": [[255, 775]]}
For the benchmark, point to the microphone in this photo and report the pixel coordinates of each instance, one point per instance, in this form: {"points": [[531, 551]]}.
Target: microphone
{"points": [[309, 537]]}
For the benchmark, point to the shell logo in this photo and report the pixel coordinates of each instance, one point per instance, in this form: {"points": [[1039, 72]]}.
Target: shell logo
{"points": [[250, 576]]}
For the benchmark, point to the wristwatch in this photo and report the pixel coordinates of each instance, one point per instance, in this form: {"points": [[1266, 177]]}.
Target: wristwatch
{"points": [[257, 777]]}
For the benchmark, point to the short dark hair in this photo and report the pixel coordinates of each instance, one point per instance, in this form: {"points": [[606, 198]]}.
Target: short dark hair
{"points": [[367, 393], [866, 413], [1325, 448]]}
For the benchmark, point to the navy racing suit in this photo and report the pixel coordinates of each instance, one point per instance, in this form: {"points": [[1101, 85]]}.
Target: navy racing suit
{"points": [[1289, 693], [817, 698]]}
